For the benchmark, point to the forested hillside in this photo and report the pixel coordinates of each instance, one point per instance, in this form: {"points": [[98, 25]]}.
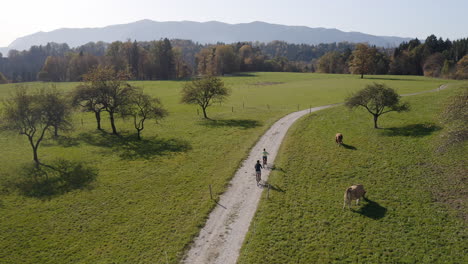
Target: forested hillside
{"points": [[175, 59]]}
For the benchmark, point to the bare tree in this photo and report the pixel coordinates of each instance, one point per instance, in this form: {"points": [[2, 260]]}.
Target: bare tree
{"points": [[112, 88], [377, 99], [30, 113], [204, 92], [142, 107], [88, 98], [58, 110]]}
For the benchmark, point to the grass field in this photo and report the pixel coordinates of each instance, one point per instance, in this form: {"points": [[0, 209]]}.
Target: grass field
{"points": [[404, 219], [151, 197]]}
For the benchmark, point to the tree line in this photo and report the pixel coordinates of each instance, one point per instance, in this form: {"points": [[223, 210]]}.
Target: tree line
{"points": [[433, 58], [178, 59]]}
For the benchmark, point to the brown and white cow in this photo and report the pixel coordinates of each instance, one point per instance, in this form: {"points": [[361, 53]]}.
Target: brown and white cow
{"points": [[339, 138], [354, 192]]}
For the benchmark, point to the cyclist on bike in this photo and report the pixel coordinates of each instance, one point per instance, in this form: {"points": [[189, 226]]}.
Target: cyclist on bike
{"points": [[258, 172], [265, 156]]}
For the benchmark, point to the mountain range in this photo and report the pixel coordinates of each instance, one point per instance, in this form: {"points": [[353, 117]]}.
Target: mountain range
{"points": [[202, 32]]}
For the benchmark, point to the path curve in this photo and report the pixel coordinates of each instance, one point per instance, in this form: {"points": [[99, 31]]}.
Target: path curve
{"points": [[220, 240]]}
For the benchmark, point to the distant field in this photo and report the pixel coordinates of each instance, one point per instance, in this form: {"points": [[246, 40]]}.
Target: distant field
{"points": [[412, 190], [151, 198]]}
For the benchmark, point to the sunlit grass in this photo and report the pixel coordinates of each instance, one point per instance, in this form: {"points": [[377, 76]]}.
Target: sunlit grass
{"points": [[401, 171], [151, 198]]}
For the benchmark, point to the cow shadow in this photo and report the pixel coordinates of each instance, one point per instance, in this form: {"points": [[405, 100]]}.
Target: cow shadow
{"points": [[348, 146], [414, 130], [372, 210], [241, 123], [129, 147], [273, 187]]}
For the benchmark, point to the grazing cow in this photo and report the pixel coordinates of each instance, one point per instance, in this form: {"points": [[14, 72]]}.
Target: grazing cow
{"points": [[339, 138], [354, 192]]}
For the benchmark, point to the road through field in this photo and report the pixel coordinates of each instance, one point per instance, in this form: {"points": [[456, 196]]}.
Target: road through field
{"points": [[222, 236]]}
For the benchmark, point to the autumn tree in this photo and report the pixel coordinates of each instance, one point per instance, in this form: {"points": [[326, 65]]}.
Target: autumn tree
{"points": [[204, 92], [81, 63], [54, 69], [3, 79], [455, 118], [462, 68], [377, 99], [32, 114], [142, 107], [112, 88], [362, 59], [332, 62]]}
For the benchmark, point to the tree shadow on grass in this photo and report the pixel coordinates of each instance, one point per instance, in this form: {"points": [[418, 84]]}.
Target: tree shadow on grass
{"points": [[130, 147], [47, 181], [62, 141], [275, 188], [389, 78], [414, 130], [348, 146], [372, 210], [274, 167], [242, 123], [241, 74]]}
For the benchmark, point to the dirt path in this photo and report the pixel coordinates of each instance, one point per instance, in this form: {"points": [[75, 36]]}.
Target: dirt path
{"points": [[224, 232], [221, 238]]}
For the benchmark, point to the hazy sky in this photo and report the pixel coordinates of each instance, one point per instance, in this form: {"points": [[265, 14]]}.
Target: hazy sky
{"points": [[404, 18]]}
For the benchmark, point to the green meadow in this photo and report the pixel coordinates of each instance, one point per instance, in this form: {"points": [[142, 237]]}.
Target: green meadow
{"points": [[416, 194], [151, 197]]}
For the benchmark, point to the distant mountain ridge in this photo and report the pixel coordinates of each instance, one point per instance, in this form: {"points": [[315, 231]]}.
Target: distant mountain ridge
{"points": [[202, 32]]}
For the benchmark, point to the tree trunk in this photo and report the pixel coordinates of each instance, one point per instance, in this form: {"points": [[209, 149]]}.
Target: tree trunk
{"points": [[362, 75], [138, 134], [114, 130], [55, 131], [375, 121], [204, 113], [98, 120], [36, 159]]}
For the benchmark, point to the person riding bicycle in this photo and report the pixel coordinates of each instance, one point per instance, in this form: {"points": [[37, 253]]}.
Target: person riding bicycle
{"points": [[265, 156], [258, 172]]}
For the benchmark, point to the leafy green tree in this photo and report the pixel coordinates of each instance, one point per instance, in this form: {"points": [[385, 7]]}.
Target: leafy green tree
{"points": [[204, 92], [362, 60], [142, 107], [377, 99], [32, 114], [226, 60]]}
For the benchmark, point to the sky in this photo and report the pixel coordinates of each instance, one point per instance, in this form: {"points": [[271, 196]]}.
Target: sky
{"points": [[403, 18]]}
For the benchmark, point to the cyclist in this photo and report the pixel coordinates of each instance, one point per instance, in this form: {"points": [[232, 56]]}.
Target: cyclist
{"points": [[265, 156], [258, 172]]}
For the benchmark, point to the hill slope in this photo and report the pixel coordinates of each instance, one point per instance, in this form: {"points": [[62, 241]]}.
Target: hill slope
{"points": [[206, 32]]}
